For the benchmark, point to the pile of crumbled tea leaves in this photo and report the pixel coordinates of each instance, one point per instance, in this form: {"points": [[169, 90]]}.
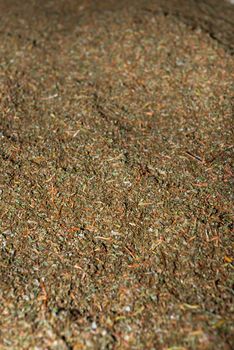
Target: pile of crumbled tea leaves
{"points": [[116, 168]]}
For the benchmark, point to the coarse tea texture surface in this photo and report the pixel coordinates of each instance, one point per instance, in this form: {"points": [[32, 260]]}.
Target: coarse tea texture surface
{"points": [[116, 150]]}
